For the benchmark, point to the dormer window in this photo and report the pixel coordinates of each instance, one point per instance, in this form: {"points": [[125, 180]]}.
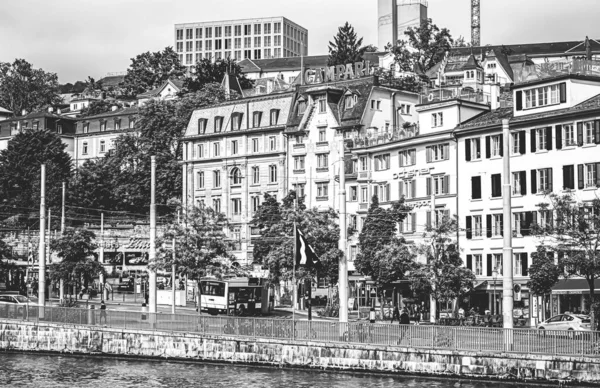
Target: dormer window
{"points": [[218, 123], [542, 96], [256, 116], [86, 128], [36, 125], [202, 126], [301, 107], [236, 121], [102, 126], [274, 116], [117, 125], [351, 100]]}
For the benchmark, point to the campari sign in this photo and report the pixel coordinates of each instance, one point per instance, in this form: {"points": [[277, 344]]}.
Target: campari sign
{"points": [[337, 73]]}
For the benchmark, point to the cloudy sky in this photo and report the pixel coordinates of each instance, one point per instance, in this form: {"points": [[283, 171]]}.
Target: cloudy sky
{"points": [[77, 38]]}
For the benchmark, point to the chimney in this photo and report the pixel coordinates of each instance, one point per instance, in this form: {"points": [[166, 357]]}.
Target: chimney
{"points": [[58, 111], [494, 96], [50, 109], [114, 108]]}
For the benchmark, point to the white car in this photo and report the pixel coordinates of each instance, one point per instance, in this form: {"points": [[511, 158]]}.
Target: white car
{"points": [[573, 322]]}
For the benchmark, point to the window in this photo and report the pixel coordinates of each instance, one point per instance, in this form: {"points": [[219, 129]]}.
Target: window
{"points": [[257, 41], [408, 189], [591, 175], [202, 126], [200, 151], [299, 188], [353, 194], [364, 163], [257, 29], [540, 139], [131, 123], [216, 149], [189, 46], [569, 177], [515, 143], [247, 29], [216, 178], [435, 218], [103, 126], [478, 265], [267, 28], [84, 148], [588, 132], [36, 125], [198, 46], [188, 33], [497, 263], [102, 146], [236, 206], [518, 222], [322, 189], [496, 145], [179, 50], [189, 59], [299, 163], [255, 175], [236, 176], [198, 33], [519, 183], [301, 107], [277, 28], [272, 173], [208, 47], [257, 54], [437, 120], [179, 34], [255, 145], [218, 123], [473, 149], [568, 135], [272, 143], [437, 152], [218, 31], [117, 125], [256, 116], [477, 230], [323, 161], [544, 179], [237, 30], [322, 105], [382, 192], [208, 32], [86, 128], [59, 128], [545, 218], [408, 158], [237, 42], [254, 203], [496, 185], [476, 187], [521, 265], [546, 95], [199, 179], [216, 205], [382, 162], [351, 100], [438, 185], [497, 225], [234, 147], [322, 135], [274, 116]]}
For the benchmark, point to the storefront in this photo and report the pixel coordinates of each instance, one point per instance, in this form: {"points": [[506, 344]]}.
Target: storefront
{"points": [[571, 295]]}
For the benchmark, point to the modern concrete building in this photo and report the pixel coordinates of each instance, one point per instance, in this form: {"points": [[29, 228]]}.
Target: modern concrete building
{"points": [[259, 38], [395, 16]]}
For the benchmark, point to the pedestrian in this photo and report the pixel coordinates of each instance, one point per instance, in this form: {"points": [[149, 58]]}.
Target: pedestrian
{"points": [[396, 314], [103, 312], [404, 318], [417, 315]]}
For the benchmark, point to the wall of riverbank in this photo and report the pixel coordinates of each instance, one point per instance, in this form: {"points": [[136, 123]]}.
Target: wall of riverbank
{"points": [[89, 340]]}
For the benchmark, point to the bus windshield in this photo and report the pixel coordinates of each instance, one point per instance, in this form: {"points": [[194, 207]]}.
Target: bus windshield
{"points": [[213, 288]]}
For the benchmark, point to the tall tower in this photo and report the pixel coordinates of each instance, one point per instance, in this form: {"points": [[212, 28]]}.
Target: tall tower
{"points": [[395, 16], [475, 23]]}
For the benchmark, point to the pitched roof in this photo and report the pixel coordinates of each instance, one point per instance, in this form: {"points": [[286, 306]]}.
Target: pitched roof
{"points": [[534, 49], [282, 64], [38, 115], [177, 84], [3, 110], [119, 112], [113, 80], [471, 63]]}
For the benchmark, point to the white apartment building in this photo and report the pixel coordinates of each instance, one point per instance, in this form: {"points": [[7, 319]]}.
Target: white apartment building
{"points": [[259, 38]]}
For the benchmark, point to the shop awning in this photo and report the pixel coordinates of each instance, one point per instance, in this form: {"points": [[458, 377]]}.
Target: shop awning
{"points": [[574, 286]]}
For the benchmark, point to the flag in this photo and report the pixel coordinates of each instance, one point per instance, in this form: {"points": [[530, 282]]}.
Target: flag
{"points": [[305, 254]]}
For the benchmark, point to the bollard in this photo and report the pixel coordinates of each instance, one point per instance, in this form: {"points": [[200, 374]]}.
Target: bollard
{"points": [[372, 315], [91, 315]]}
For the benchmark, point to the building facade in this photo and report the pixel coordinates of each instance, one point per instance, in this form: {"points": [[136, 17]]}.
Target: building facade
{"points": [[259, 38], [395, 16]]}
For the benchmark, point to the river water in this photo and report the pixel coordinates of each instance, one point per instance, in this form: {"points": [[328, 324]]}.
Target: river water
{"points": [[32, 370]]}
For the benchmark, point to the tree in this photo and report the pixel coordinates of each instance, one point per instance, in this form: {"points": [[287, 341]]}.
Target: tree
{"points": [[443, 276], [20, 170], [425, 47], [206, 71], [149, 70], [78, 265], [543, 272], [201, 245], [98, 107], [574, 238], [346, 47], [23, 87], [92, 87], [6, 264]]}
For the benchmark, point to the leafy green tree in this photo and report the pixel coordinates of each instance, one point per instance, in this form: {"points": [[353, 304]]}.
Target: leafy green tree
{"points": [[346, 47], [6, 264], [22, 87], [206, 71], [443, 276], [78, 266], [93, 87], [20, 165], [99, 107], [424, 47], [201, 245], [150, 69], [574, 238]]}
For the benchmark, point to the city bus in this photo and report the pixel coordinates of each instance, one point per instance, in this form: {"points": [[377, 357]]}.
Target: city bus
{"points": [[235, 296]]}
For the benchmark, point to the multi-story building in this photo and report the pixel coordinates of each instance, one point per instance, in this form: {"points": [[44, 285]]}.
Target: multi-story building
{"points": [[554, 139], [395, 16], [259, 38], [234, 153]]}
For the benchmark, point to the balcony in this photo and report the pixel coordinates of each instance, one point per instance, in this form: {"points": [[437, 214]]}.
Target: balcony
{"points": [[376, 138], [322, 198], [299, 171], [322, 144], [322, 169], [299, 146]]}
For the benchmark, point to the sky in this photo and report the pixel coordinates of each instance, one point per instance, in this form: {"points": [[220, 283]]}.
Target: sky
{"points": [[80, 38]]}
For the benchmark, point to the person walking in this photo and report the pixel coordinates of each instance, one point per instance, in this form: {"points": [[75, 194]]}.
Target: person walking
{"points": [[417, 315], [103, 312], [404, 318], [395, 314]]}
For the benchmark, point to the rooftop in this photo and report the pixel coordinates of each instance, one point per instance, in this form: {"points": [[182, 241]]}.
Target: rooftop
{"points": [[534, 49]]}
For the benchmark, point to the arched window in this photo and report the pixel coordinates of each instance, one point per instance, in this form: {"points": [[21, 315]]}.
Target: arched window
{"points": [[236, 176]]}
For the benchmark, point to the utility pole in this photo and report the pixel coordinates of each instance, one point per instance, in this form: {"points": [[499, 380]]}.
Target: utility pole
{"points": [[152, 253], [61, 282], [102, 286], [173, 279], [42, 244], [343, 266], [507, 264]]}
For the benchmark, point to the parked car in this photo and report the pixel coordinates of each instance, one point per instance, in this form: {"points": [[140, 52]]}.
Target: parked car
{"points": [[22, 302], [572, 322]]}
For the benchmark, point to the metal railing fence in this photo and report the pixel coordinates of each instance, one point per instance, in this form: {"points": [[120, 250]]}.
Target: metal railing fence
{"points": [[453, 338]]}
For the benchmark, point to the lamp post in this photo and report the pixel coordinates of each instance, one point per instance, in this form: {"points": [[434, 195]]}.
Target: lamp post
{"points": [[495, 276]]}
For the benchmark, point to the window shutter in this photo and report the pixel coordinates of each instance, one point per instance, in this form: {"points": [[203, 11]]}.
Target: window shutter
{"points": [[401, 158], [523, 179], [468, 150], [428, 220], [580, 134], [446, 148], [565, 177], [522, 142], [414, 222], [476, 187], [550, 179], [489, 265], [428, 186], [548, 138], [469, 230], [447, 184], [597, 177], [533, 181], [597, 132], [580, 176], [519, 96], [428, 154], [558, 132], [470, 262], [528, 223], [502, 225], [525, 264], [488, 149], [532, 132], [501, 145], [488, 225], [413, 189], [401, 188], [413, 156], [563, 92]]}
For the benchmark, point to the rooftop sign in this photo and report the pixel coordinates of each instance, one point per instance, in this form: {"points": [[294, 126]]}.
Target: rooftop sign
{"points": [[337, 73]]}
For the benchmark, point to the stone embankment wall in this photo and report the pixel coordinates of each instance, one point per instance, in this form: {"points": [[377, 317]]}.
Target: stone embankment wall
{"points": [[88, 340]]}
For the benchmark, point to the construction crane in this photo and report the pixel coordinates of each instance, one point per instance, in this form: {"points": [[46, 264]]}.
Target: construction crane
{"points": [[475, 23]]}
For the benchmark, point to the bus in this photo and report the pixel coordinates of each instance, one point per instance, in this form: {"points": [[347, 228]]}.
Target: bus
{"points": [[235, 296]]}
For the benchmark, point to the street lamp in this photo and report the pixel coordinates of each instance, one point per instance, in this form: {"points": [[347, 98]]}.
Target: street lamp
{"points": [[495, 276]]}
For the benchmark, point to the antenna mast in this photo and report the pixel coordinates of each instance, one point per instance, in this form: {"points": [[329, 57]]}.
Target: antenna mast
{"points": [[475, 23]]}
